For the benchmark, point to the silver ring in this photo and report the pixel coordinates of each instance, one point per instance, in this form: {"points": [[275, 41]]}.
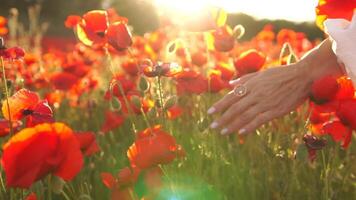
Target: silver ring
{"points": [[240, 90]]}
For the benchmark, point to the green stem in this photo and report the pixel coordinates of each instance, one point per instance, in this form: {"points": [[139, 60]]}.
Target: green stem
{"points": [[160, 96], [111, 67], [6, 93]]}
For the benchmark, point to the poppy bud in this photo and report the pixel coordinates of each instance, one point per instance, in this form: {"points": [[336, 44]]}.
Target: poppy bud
{"points": [[286, 50], [171, 47], [135, 100], [223, 39], [238, 31], [292, 58], [143, 84], [199, 59], [115, 104], [119, 36]]}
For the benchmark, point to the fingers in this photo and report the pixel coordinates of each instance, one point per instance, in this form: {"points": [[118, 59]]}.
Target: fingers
{"points": [[230, 98], [244, 118], [235, 110], [257, 122]]}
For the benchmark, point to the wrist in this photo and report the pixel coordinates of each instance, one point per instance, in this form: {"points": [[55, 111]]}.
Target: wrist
{"points": [[320, 62]]}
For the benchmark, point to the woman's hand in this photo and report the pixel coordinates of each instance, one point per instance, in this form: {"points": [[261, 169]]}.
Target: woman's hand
{"points": [[272, 93]]}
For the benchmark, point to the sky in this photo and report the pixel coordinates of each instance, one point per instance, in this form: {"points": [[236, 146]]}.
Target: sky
{"points": [[294, 10]]}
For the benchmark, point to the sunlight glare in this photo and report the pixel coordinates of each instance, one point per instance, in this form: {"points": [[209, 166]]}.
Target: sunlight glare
{"points": [[301, 10]]}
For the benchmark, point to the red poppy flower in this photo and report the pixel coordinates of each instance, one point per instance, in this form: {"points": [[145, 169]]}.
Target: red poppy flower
{"points": [[128, 176], [160, 69], [93, 25], [174, 112], [224, 40], [41, 113], [346, 88], [13, 53], [313, 144], [3, 29], [266, 34], [130, 66], [77, 69], [108, 179], [346, 112], [31, 196], [34, 152], [339, 132], [112, 121], [324, 89], [87, 142], [199, 59], [286, 36], [191, 82], [332, 9], [226, 73], [25, 103], [63, 80], [3, 21], [249, 61], [72, 21], [119, 36], [153, 147], [5, 129], [216, 83]]}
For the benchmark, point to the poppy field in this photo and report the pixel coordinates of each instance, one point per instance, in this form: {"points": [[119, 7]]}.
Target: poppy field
{"points": [[109, 114]]}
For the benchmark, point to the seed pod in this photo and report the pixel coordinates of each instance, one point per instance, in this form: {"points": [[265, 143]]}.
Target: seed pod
{"points": [[171, 101], [238, 31]]}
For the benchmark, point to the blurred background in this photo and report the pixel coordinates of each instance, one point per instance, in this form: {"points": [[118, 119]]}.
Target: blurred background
{"points": [[144, 15]]}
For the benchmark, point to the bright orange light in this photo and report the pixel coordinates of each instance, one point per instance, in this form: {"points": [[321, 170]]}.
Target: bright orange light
{"points": [[297, 10]]}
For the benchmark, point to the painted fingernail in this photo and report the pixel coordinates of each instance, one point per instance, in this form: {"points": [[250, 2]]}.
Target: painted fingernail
{"points": [[211, 110], [242, 131], [214, 125], [224, 131]]}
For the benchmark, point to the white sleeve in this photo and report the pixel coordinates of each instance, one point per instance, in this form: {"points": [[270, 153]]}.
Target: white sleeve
{"points": [[343, 34]]}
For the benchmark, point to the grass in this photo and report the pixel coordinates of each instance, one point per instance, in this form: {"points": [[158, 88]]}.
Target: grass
{"points": [[263, 166]]}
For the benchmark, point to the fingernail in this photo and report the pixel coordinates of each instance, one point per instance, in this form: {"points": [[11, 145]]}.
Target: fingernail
{"points": [[242, 131], [214, 125], [211, 110], [224, 131]]}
